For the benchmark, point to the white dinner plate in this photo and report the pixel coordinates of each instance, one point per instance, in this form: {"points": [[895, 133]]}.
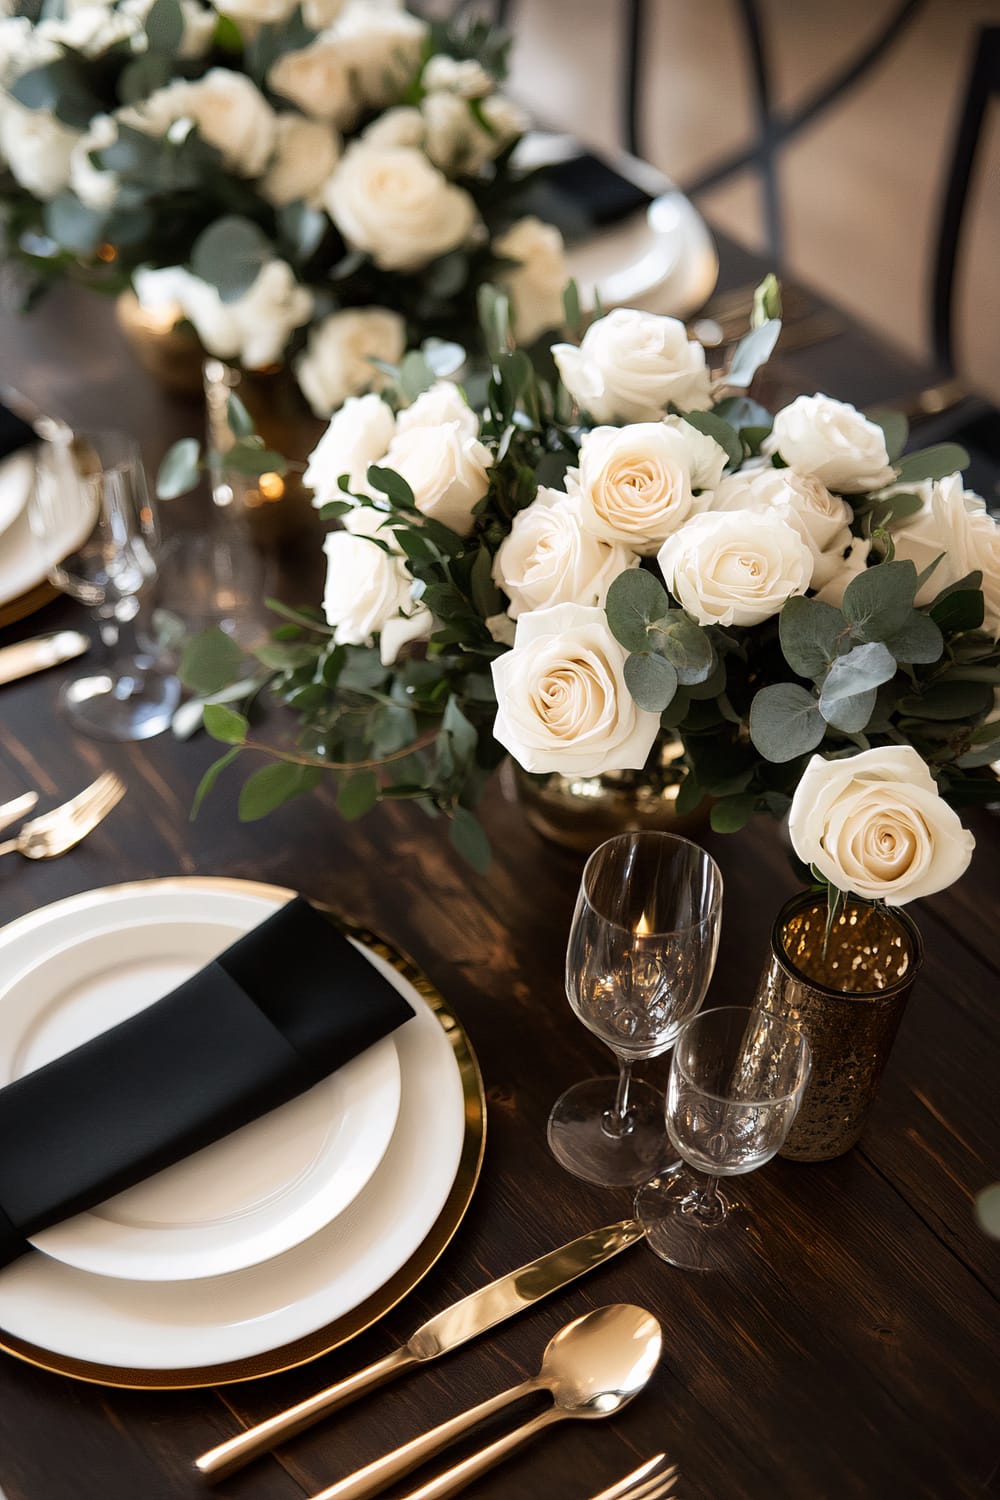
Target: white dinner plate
{"points": [[17, 473], [181, 1325], [247, 1197]]}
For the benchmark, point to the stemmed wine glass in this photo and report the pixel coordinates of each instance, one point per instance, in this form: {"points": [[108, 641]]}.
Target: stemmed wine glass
{"points": [[92, 517], [737, 1078], [641, 952]]}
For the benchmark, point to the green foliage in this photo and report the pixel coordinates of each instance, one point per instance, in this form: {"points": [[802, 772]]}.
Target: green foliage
{"points": [[180, 470]]}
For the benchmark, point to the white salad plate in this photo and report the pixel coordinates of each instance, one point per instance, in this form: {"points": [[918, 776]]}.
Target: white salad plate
{"points": [[173, 1325], [17, 472], [241, 1200]]}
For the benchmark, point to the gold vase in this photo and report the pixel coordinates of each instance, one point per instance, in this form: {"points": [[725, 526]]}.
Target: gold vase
{"points": [[165, 346], [580, 812], [278, 507], [847, 994]]}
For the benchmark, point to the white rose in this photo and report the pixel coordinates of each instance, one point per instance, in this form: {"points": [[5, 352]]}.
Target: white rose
{"points": [[162, 289], [453, 138], [535, 285], [875, 824], [562, 700], [393, 204], [337, 362], [317, 79], [199, 25], [319, 15], [446, 469], [94, 186], [833, 442], [457, 76], [549, 559], [229, 110], [382, 49], [251, 15], [368, 593], [91, 30], [38, 148], [22, 48], [443, 402], [403, 126], [631, 365], [705, 457], [255, 328], [852, 561], [305, 153], [955, 521], [634, 484], [822, 520], [358, 435], [735, 568]]}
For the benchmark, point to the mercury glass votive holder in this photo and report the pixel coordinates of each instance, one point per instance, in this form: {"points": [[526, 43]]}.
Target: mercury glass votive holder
{"points": [[846, 991]]}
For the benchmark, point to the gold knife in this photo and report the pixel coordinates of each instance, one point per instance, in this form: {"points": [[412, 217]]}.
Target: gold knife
{"points": [[25, 657], [447, 1330]]}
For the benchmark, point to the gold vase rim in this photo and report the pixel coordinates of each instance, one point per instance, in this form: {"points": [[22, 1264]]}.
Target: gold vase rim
{"points": [[805, 899]]}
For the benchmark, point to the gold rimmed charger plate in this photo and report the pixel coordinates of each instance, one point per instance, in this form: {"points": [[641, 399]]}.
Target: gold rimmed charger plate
{"points": [[410, 1274], [26, 604]]}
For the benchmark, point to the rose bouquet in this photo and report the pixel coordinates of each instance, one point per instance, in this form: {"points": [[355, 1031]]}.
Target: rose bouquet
{"points": [[614, 543], [310, 185]]}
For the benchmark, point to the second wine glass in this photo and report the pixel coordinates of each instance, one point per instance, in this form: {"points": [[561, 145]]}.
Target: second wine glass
{"points": [[641, 951]]}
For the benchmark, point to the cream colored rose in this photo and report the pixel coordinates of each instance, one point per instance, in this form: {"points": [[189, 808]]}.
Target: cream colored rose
{"points": [[382, 48], [369, 593], [549, 559], [358, 435], [38, 148], [833, 442], [442, 403], [251, 15], [93, 185], [631, 365], [256, 327], [91, 30], [319, 15], [229, 111], [305, 153], [634, 484], [403, 126], [317, 79], [535, 285], [953, 521], [706, 459], [822, 519], [875, 824], [446, 469], [562, 700], [397, 207], [457, 76], [735, 568], [337, 362]]}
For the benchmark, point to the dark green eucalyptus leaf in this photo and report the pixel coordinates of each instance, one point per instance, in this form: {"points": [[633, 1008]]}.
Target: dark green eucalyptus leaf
{"points": [[949, 700], [959, 611], [210, 777], [878, 602], [635, 600], [752, 351], [485, 594], [469, 839], [713, 426], [731, 814], [142, 77], [241, 423], [272, 785], [229, 255], [895, 429], [73, 225], [932, 463], [982, 755], [685, 645], [919, 641], [164, 26], [810, 633], [571, 305], [415, 375], [246, 458], [211, 661], [651, 680], [281, 656], [304, 227], [785, 722], [393, 727], [461, 734], [392, 485], [357, 795], [225, 724]]}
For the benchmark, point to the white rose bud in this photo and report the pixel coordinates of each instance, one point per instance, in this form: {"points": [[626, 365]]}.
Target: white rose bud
{"points": [[833, 442], [256, 327], [317, 79], [735, 568], [955, 521], [229, 111], [549, 559], [441, 404], [358, 435], [631, 365], [368, 593], [875, 824], [822, 520], [634, 484], [562, 700], [305, 154], [382, 49], [446, 469], [93, 185], [457, 76], [38, 148], [397, 207], [337, 362], [535, 285]]}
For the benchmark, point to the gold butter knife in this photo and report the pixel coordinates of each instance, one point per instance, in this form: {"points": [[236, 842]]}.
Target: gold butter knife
{"points": [[25, 657], [448, 1330]]}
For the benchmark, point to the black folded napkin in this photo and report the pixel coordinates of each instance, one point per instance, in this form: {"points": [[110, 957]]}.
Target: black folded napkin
{"points": [[269, 1018], [582, 194]]}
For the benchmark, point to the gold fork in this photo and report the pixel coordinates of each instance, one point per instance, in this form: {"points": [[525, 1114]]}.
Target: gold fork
{"points": [[650, 1481], [56, 831]]}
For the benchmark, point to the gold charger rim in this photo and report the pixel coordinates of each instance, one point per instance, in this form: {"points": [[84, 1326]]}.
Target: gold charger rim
{"points": [[331, 1335], [27, 603]]}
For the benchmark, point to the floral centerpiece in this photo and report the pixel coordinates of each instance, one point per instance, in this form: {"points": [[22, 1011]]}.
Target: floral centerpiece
{"points": [[309, 185], [611, 543]]}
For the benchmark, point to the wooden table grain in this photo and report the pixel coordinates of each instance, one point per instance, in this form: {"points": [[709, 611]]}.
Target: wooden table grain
{"points": [[854, 1355]]}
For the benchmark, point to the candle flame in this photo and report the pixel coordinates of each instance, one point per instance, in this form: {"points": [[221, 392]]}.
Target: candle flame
{"points": [[643, 929]]}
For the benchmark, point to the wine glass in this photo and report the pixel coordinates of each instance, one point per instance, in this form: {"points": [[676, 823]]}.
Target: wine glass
{"points": [[737, 1078], [641, 952], [93, 520]]}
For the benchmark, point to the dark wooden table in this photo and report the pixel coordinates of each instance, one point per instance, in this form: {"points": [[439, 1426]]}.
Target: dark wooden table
{"points": [[855, 1357]]}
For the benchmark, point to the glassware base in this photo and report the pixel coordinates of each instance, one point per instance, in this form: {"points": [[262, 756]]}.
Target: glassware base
{"points": [[675, 1231], [580, 1140], [131, 701]]}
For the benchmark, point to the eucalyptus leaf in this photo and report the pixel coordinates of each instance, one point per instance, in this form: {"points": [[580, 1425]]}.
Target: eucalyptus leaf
{"points": [[443, 357], [73, 225], [164, 26], [860, 670], [415, 375], [810, 633], [211, 661], [357, 795], [957, 612], [229, 255], [879, 601], [225, 724], [785, 722], [715, 427], [392, 485], [243, 458], [949, 700], [282, 656], [468, 837], [651, 680], [982, 755], [752, 351], [932, 463], [895, 430], [918, 642], [851, 713], [730, 814], [210, 777], [241, 423], [272, 785], [635, 600], [686, 646]]}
